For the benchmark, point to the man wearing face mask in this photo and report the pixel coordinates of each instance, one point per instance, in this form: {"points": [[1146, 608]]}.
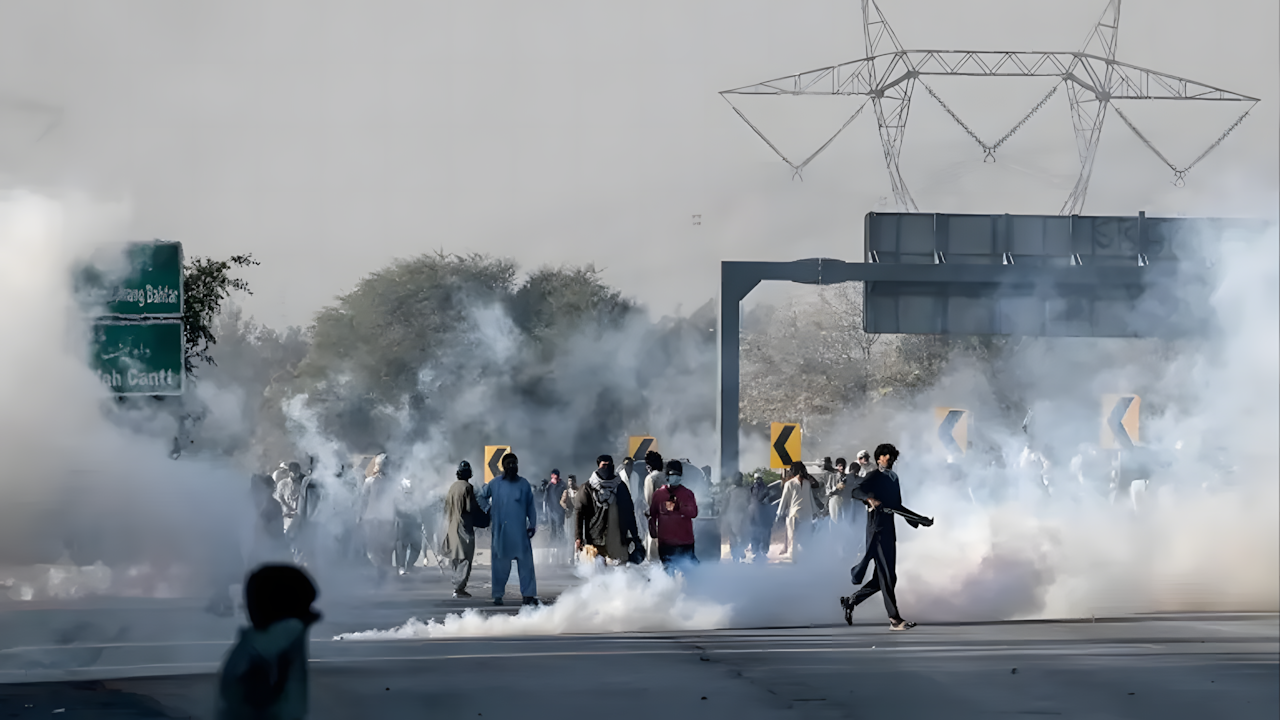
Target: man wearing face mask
{"points": [[882, 494], [513, 521], [605, 517], [671, 517]]}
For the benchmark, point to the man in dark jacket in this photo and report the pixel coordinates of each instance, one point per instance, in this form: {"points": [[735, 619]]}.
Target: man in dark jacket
{"points": [[671, 515], [462, 516], [761, 520], [555, 510], [881, 493], [605, 516]]}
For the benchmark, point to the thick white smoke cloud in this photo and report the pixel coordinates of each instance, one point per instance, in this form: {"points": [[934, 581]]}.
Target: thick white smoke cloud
{"points": [[614, 600], [1205, 534], [86, 478]]}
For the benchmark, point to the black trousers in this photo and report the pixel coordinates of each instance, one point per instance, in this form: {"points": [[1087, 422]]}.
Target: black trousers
{"points": [[669, 554], [885, 578]]}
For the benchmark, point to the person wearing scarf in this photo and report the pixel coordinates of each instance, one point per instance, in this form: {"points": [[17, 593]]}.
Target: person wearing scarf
{"points": [[605, 516]]}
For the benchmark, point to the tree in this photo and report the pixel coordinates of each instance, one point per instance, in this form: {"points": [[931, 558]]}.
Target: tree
{"points": [[403, 317], [206, 283], [796, 368], [844, 308], [555, 301]]}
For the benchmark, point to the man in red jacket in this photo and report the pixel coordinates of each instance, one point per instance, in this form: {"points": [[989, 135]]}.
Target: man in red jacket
{"points": [[671, 515]]}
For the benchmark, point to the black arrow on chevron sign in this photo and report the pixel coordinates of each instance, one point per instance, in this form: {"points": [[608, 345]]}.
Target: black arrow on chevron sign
{"points": [[642, 449], [780, 445], [947, 427], [1116, 421], [495, 459]]}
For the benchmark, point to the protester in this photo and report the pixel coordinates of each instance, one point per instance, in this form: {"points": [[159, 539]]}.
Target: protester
{"points": [[865, 464], [555, 507], [268, 539], [288, 488], [605, 517], [571, 491], [882, 493], [738, 521], [629, 476], [377, 514], [264, 676], [513, 521], [462, 516], [568, 501], [671, 517], [409, 527], [656, 476], [798, 508], [762, 520], [839, 495]]}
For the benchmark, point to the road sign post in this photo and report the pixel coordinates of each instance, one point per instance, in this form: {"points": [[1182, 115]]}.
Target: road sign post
{"points": [[493, 455], [784, 444]]}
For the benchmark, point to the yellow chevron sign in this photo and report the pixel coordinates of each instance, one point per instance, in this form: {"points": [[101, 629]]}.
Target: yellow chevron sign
{"points": [[784, 444], [1120, 421], [639, 445], [953, 429], [493, 455]]}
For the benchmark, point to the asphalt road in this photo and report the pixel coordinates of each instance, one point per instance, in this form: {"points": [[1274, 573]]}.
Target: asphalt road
{"points": [[118, 659]]}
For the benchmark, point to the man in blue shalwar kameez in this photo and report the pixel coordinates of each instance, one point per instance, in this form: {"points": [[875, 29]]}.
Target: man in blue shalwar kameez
{"points": [[512, 522]]}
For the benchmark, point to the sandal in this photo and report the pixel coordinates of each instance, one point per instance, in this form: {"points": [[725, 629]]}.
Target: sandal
{"points": [[847, 604]]}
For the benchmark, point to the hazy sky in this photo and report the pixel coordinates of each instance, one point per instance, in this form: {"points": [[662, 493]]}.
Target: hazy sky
{"points": [[329, 137]]}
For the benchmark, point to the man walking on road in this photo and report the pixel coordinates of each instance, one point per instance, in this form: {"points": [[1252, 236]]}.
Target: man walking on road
{"points": [[514, 521], [798, 508], [882, 494], [462, 516]]}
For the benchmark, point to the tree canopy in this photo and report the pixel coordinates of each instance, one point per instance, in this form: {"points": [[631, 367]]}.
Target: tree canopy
{"points": [[206, 284]]}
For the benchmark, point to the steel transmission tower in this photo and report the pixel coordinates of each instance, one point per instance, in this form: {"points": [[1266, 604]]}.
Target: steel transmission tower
{"points": [[1091, 77]]}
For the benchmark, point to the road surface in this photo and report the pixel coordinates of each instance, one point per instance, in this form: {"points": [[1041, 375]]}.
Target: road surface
{"points": [[119, 659]]}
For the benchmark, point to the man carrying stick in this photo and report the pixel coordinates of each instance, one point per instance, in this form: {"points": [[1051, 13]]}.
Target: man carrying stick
{"points": [[881, 493]]}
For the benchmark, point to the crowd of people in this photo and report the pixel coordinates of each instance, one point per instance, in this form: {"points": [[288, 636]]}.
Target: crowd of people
{"points": [[618, 516]]}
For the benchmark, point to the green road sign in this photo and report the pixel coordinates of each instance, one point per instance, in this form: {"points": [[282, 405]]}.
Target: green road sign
{"points": [[149, 283], [139, 358]]}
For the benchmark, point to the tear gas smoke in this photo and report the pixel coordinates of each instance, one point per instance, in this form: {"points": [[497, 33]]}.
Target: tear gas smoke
{"points": [[1198, 532], [1204, 535], [86, 476], [616, 600]]}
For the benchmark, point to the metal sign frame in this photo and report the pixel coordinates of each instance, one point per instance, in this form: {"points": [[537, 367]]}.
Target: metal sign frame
{"points": [[739, 278]]}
